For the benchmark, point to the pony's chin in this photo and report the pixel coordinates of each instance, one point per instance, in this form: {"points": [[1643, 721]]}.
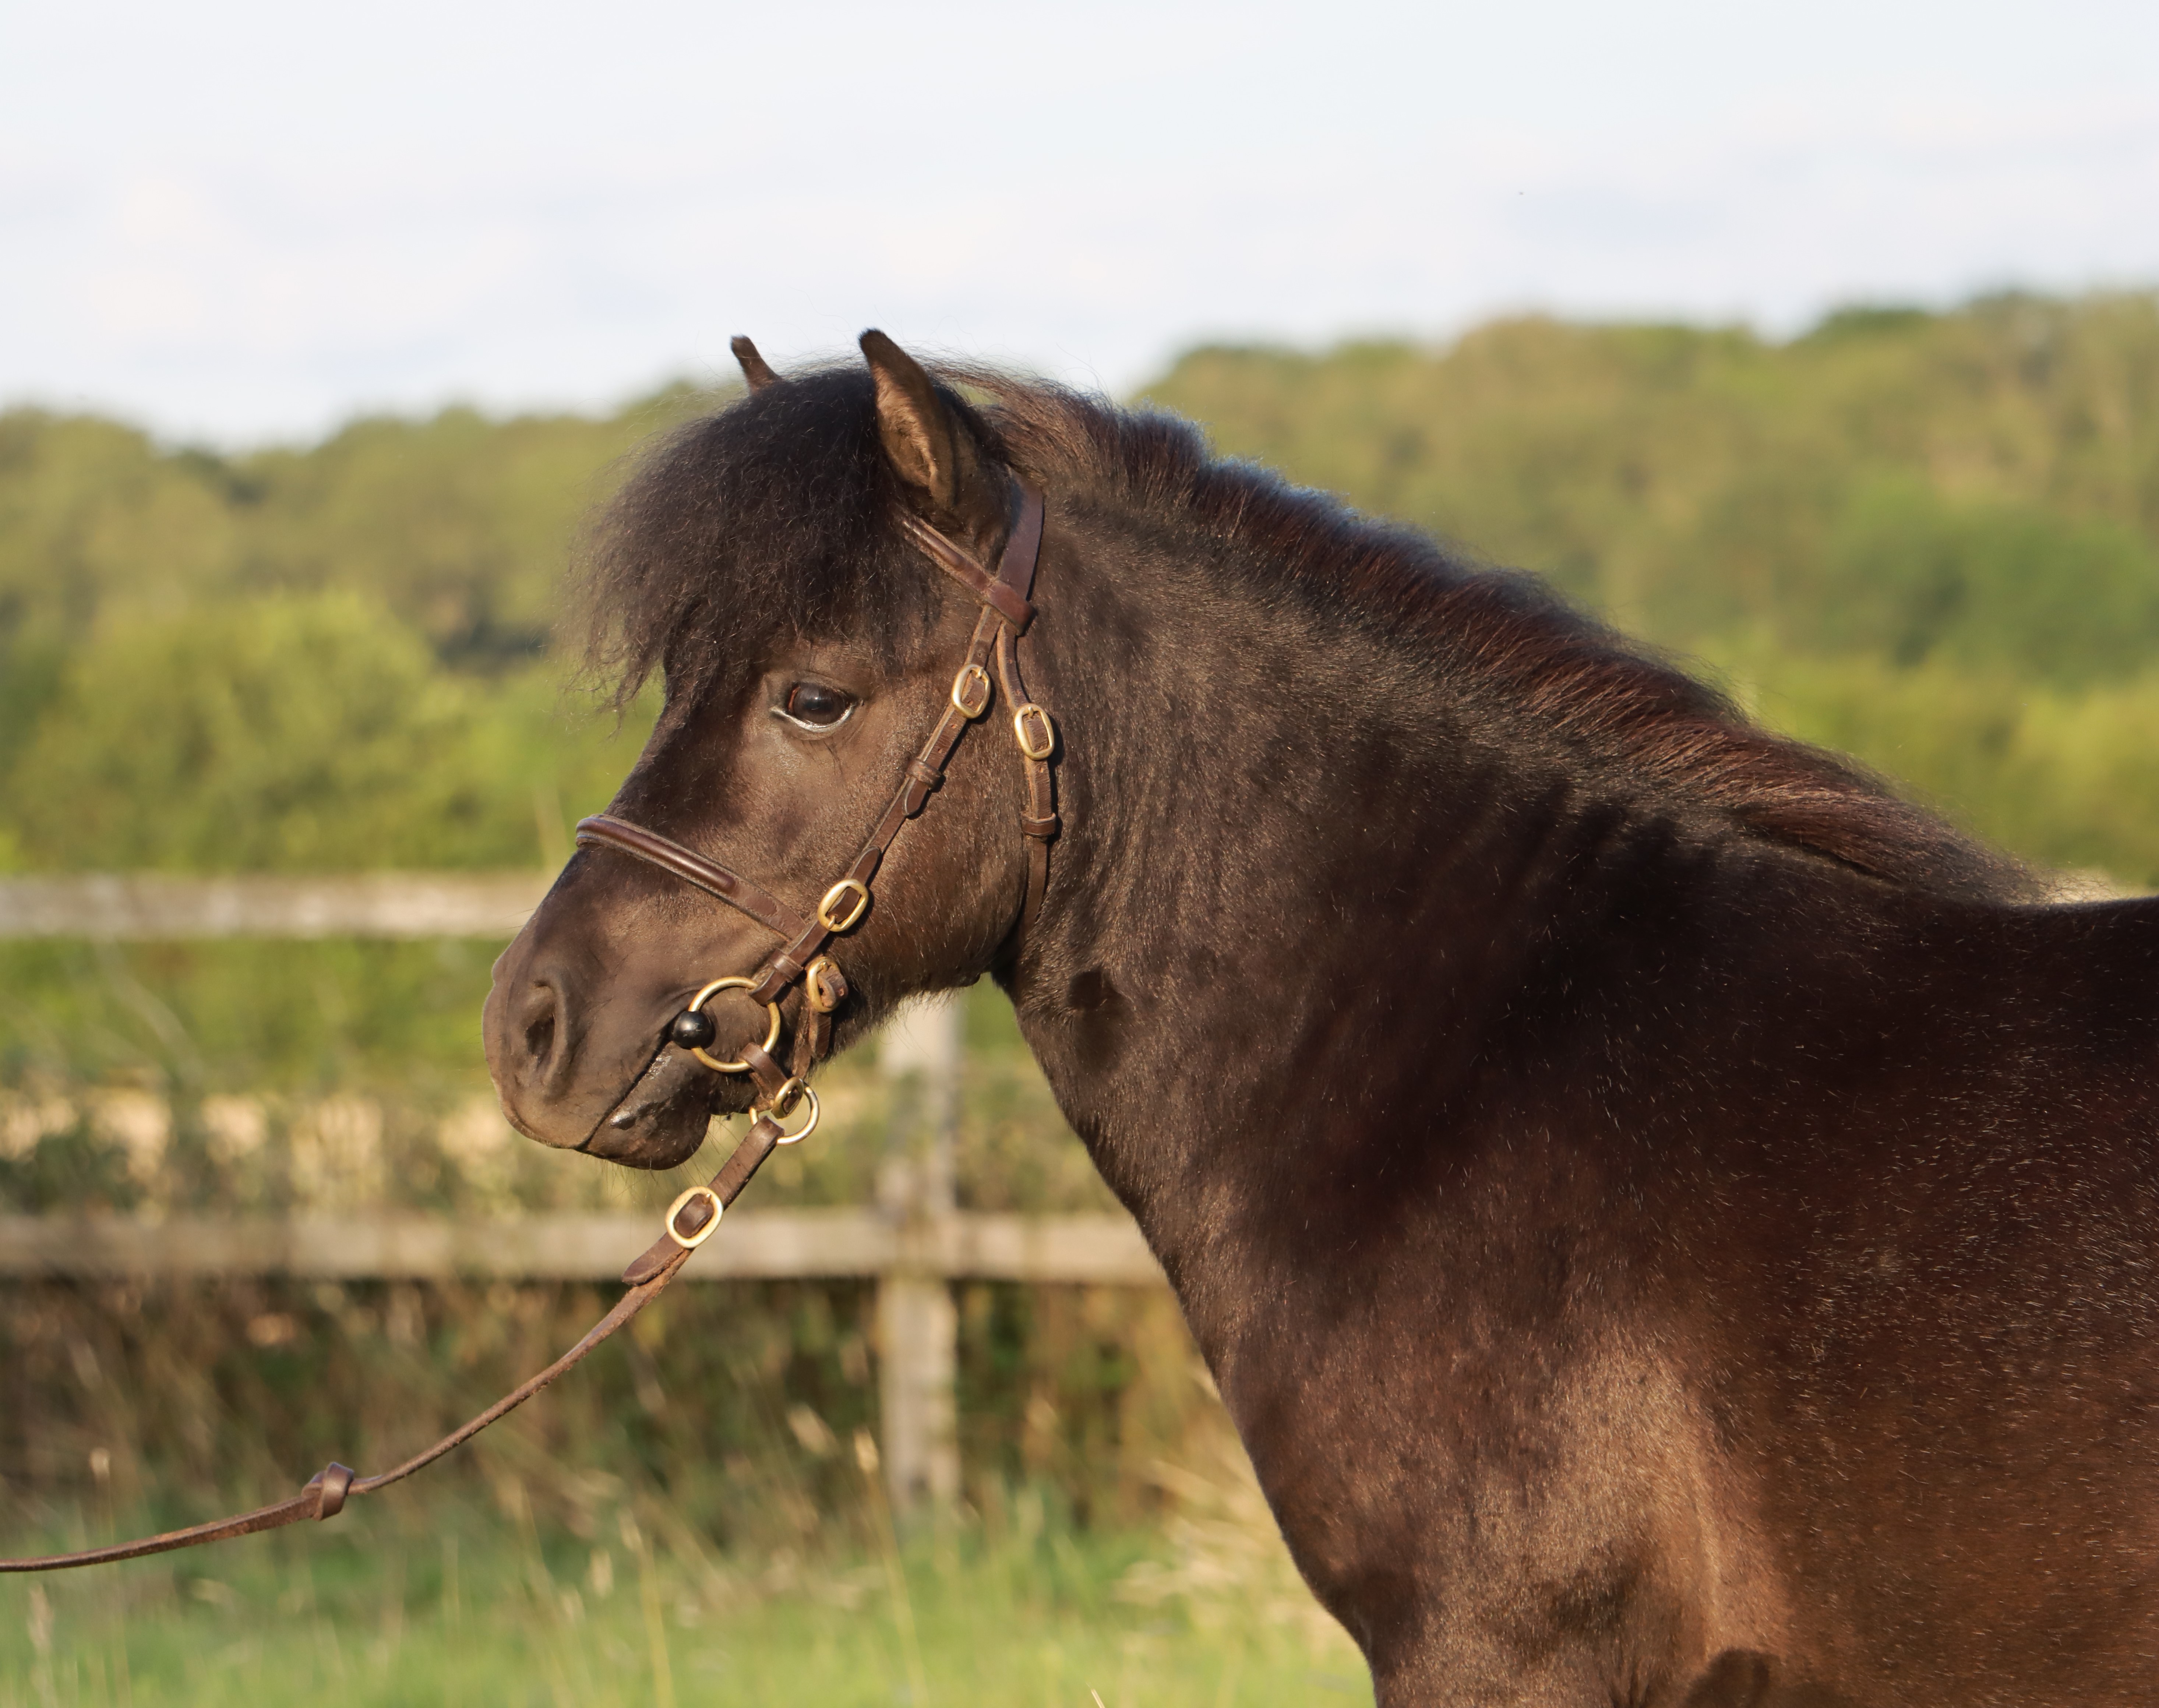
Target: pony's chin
{"points": [[652, 1146], [660, 1121]]}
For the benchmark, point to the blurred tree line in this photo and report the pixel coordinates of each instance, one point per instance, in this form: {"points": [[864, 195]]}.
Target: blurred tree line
{"points": [[1930, 539], [323, 658]]}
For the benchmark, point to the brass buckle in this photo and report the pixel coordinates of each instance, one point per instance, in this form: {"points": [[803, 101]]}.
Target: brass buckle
{"points": [[815, 992], [970, 676], [1033, 750], [771, 1035], [691, 1242], [838, 892], [783, 1105]]}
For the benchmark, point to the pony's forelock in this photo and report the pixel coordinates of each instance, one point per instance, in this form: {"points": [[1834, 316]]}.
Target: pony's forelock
{"points": [[766, 521]]}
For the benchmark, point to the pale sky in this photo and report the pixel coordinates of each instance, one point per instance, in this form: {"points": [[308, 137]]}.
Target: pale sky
{"points": [[242, 220]]}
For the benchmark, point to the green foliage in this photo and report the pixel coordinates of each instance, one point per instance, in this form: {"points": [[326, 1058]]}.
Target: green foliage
{"points": [[1692, 479], [459, 524], [2010, 589], [458, 528], [296, 732], [1933, 538], [2068, 778], [91, 513], [335, 656]]}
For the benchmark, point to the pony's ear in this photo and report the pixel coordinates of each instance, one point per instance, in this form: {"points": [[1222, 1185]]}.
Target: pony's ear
{"points": [[756, 369], [929, 450]]}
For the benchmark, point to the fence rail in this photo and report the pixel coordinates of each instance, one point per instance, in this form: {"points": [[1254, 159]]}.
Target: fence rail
{"points": [[142, 906], [754, 1245]]}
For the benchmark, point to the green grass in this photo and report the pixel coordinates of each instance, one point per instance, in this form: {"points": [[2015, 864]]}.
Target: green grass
{"points": [[488, 1612]]}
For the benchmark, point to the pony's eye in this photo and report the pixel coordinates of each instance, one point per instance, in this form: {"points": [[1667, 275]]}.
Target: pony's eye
{"points": [[814, 706]]}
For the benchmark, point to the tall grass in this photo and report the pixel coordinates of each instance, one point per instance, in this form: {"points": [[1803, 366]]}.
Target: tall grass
{"points": [[411, 1605], [695, 1515], [692, 1505]]}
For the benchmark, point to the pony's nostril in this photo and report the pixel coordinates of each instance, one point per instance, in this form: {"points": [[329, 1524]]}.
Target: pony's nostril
{"points": [[540, 1036], [541, 1033]]}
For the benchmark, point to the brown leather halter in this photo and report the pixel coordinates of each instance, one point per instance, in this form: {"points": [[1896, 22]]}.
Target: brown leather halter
{"points": [[695, 1216]]}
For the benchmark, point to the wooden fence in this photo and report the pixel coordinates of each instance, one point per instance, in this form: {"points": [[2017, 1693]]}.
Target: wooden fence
{"points": [[912, 1245], [146, 908], [751, 1245]]}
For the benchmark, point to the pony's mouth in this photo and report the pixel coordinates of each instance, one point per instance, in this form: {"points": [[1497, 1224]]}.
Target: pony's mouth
{"points": [[660, 1120]]}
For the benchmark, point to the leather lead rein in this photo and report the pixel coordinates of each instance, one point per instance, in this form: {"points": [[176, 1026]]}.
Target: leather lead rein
{"points": [[1006, 612]]}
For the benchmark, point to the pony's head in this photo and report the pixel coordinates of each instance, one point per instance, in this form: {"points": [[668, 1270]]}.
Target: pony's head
{"points": [[768, 564]]}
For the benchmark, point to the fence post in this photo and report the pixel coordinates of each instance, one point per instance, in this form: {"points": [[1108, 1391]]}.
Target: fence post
{"points": [[917, 1326]]}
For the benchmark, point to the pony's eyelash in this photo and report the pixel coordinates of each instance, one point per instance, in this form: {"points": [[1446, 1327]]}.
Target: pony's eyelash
{"points": [[781, 711]]}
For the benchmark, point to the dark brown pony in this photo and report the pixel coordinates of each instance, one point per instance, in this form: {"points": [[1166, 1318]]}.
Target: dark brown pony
{"points": [[1672, 1223]]}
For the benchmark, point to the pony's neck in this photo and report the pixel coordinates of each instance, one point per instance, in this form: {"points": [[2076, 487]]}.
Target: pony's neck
{"points": [[1284, 835]]}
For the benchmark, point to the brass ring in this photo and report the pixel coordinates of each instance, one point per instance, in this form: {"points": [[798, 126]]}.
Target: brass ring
{"points": [[840, 891], [1048, 744], [771, 1035], [967, 677], [792, 1093], [815, 991], [691, 1242]]}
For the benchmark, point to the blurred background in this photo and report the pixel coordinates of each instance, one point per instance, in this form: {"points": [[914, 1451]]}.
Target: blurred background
{"points": [[1819, 344]]}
